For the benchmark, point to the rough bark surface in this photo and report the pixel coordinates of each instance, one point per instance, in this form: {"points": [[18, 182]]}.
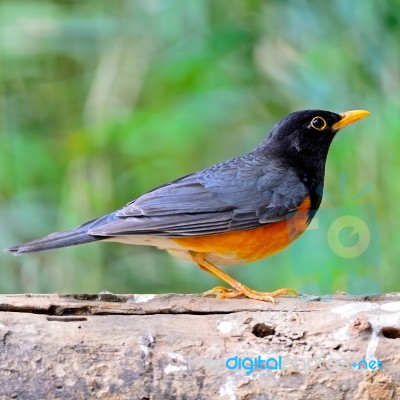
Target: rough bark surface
{"points": [[175, 347]]}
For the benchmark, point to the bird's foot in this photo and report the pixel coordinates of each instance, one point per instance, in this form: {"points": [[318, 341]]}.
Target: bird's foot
{"points": [[238, 288], [221, 292], [224, 293]]}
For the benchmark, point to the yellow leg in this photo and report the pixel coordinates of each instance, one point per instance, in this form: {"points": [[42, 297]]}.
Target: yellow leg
{"points": [[238, 288]]}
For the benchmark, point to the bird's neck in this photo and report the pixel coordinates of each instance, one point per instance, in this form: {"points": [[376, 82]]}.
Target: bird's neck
{"points": [[309, 168], [314, 181]]}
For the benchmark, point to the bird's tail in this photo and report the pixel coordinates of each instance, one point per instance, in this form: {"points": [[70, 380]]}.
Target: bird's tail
{"points": [[55, 240]]}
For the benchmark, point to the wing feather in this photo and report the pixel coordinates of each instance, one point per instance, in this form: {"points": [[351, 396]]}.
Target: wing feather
{"points": [[222, 198]]}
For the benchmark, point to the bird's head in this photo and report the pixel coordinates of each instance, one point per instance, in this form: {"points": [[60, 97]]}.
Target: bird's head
{"points": [[303, 137]]}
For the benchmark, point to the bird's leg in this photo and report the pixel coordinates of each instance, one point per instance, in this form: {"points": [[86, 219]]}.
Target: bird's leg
{"points": [[238, 288]]}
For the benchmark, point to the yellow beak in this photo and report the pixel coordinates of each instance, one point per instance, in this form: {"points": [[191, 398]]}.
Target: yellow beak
{"points": [[349, 117]]}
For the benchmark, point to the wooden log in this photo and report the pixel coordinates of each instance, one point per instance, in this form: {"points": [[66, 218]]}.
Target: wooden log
{"points": [[189, 347]]}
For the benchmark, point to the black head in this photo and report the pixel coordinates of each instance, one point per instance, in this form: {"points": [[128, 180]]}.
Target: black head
{"points": [[303, 137], [300, 142]]}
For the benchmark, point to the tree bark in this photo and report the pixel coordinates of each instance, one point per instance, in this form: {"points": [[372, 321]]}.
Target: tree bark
{"points": [[176, 347]]}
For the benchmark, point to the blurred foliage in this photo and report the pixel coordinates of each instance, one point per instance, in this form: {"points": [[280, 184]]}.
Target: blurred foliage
{"points": [[103, 100]]}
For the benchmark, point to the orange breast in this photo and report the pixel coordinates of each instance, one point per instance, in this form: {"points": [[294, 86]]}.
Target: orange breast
{"points": [[253, 244]]}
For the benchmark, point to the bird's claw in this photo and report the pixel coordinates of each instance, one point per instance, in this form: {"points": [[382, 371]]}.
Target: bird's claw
{"points": [[224, 293]]}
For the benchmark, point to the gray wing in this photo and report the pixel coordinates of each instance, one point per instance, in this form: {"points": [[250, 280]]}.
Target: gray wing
{"points": [[228, 196]]}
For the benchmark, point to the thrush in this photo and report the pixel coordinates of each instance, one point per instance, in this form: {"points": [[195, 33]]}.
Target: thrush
{"points": [[234, 212]]}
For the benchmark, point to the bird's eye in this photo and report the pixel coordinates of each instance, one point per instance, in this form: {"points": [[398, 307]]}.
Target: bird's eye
{"points": [[318, 123]]}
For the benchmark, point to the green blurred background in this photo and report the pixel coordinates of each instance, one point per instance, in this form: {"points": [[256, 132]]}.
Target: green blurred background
{"points": [[103, 100]]}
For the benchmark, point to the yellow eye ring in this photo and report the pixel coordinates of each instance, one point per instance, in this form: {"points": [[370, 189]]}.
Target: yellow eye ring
{"points": [[318, 123]]}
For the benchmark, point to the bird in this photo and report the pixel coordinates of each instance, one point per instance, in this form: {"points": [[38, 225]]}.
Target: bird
{"points": [[234, 212]]}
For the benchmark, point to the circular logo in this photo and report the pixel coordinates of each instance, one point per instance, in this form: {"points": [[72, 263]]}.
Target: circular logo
{"points": [[357, 227]]}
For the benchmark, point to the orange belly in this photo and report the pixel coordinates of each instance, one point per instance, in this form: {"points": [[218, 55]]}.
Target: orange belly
{"points": [[253, 244]]}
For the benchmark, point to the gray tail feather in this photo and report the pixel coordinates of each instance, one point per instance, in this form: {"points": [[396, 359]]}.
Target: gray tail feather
{"points": [[54, 241], [72, 237]]}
